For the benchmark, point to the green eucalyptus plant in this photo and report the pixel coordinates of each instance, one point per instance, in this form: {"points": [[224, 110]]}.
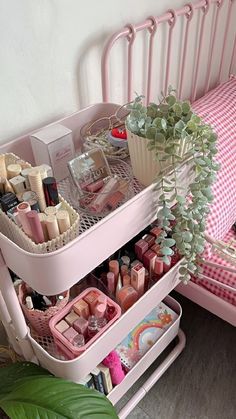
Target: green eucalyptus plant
{"points": [[168, 126], [28, 391]]}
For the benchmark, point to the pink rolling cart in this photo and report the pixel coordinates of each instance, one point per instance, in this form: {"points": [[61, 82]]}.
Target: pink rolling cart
{"points": [[56, 272]]}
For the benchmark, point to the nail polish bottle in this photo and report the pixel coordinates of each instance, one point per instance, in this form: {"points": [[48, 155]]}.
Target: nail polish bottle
{"points": [[110, 312], [79, 341], [92, 326]]}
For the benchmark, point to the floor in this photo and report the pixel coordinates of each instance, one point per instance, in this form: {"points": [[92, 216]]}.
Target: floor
{"points": [[201, 384]]}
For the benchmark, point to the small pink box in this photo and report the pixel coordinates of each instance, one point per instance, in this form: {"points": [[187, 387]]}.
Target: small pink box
{"points": [[67, 348]]}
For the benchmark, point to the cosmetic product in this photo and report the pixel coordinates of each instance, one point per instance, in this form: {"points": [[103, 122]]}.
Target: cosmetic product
{"points": [[25, 174], [111, 282], [112, 361], [91, 300], [81, 326], [147, 280], [23, 164], [36, 186], [43, 172], [13, 170], [127, 296], [149, 259], [35, 226], [71, 318], [166, 266], [125, 260], [135, 262], [62, 326], [18, 184], [82, 309], [79, 341], [70, 334], [100, 310], [8, 187], [119, 285], [114, 200], [159, 266], [102, 299], [54, 146], [92, 326], [50, 211], [23, 208], [34, 205], [63, 219], [50, 191], [2, 183], [101, 322], [29, 303], [126, 280], [157, 249], [156, 231], [3, 170], [110, 312], [47, 168], [106, 378], [47, 301], [29, 195], [100, 201], [42, 219], [140, 248], [8, 201], [124, 270], [52, 227], [150, 240], [88, 168], [114, 267], [97, 378], [95, 186], [13, 214], [138, 278]]}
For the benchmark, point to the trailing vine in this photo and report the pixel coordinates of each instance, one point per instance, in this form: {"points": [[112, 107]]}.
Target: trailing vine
{"points": [[176, 135]]}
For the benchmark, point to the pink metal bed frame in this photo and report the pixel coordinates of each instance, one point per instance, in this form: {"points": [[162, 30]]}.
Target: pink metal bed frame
{"points": [[37, 269], [193, 291]]}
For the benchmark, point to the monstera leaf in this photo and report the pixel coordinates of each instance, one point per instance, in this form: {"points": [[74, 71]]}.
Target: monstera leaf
{"points": [[36, 394]]}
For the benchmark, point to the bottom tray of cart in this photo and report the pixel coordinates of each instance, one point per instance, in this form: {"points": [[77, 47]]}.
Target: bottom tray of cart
{"points": [[149, 357]]}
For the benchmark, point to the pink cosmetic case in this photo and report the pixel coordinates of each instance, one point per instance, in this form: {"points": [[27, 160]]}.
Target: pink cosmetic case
{"points": [[67, 348]]}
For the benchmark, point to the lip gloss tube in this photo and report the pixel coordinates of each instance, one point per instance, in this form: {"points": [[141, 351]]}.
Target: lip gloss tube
{"points": [[35, 226], [138, 278], [114, 267], [100, 201], [22, 209], [111, 282], [126, 280], [166, 267], [124, 270], [95, 186]]}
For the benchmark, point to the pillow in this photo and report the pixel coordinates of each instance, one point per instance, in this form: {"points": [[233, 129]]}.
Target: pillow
{"points": [[218, 108]]}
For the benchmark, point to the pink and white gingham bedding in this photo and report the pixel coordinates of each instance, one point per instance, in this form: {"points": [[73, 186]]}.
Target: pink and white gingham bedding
{"points": [[218, 108]]}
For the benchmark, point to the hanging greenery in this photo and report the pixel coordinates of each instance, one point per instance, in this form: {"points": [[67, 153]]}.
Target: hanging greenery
{"points": [[177, 134]]}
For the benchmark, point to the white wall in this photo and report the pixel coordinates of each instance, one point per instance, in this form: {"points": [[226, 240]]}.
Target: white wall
{"points": [[50, 55]]}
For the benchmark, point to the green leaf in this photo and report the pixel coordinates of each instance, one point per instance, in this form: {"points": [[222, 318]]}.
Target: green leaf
{"points": [[179, 126], [186, 107], [151, 133], [171, 99], [54, 398], [159, 137], [168, 242], [166, 251], [11, 374]]}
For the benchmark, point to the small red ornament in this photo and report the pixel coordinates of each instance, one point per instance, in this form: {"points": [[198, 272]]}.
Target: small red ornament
{"points": [[119, 133]]}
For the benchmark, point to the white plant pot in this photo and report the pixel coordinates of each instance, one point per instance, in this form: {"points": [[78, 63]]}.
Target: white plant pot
{"points": [[144, 163]]}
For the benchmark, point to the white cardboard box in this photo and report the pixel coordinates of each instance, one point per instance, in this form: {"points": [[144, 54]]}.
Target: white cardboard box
{"points": [[54, 145]]}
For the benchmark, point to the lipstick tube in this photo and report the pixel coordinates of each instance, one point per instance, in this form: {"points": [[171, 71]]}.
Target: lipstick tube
{"points": [[111, 282], [42, 219], [35, 226], [23, 208], [63, 219], [52, 227], [50, 191], [95, 186], [114, 267]]}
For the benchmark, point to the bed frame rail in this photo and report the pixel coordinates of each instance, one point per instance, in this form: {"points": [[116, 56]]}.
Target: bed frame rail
{"points": [[152, 25]]}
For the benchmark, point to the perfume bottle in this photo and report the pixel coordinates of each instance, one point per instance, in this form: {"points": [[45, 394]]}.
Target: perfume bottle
{"points": [[101, 323], [92, 326]]}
